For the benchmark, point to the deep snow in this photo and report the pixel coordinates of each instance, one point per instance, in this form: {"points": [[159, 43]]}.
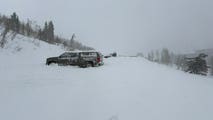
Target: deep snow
{"points": [[123, 89]]}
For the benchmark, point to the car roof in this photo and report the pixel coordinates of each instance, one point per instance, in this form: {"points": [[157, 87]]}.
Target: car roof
{"points": [[80, 51]]}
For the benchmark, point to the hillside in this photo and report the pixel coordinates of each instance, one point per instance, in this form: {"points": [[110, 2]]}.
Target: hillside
{"points": [[12, 24], [19, 45], [123, 89]]}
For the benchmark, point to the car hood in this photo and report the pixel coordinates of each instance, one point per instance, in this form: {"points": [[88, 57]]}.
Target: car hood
{"points": [[52, 58]]}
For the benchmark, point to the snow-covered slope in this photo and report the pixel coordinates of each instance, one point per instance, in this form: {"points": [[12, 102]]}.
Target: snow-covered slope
{"points": [[22, 44], [123, 89], [26, 48]]}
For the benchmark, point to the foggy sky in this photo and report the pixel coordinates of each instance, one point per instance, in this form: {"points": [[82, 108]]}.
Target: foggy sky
{"points": [[126, 26]]}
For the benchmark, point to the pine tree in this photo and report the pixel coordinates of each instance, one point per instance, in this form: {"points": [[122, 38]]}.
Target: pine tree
{"points": [[1, 19], [14, 23], [40, 34], [72, 41], [45, 31], [4, 33], [181, 62], [50, 32], [211, 65], [157, 56], [28, 28], [22, 28], [17, 24], [165, 57], [151, 56], [197, 65]]}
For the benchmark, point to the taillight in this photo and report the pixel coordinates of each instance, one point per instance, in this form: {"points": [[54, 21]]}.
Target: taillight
{"points": [[98, 59]]}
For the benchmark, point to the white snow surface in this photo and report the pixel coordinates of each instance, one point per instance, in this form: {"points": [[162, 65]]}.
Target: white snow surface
{"points": [[123, 89]]}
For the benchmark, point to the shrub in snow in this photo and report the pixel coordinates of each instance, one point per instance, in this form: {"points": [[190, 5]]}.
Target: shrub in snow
{"points": [[197, 65]]}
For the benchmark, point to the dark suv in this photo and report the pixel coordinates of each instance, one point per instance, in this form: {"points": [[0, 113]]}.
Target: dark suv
{"points": [[81, 59]]}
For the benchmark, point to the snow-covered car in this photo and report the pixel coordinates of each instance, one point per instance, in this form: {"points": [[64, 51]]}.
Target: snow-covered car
{"points": [[81, 59]]}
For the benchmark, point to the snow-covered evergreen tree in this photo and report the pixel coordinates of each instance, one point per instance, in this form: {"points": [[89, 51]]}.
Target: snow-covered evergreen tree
{"points": [[197, 65]]}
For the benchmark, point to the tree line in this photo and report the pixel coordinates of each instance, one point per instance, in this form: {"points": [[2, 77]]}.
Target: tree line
{"points": [[163, 56], [45, 33], [195, 64]]}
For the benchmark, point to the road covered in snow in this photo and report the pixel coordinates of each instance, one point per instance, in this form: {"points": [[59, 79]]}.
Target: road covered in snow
{"points": [[123, 89]]}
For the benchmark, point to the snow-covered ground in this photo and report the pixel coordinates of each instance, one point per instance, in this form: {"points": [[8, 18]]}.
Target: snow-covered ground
{"points": [[123, 89]]}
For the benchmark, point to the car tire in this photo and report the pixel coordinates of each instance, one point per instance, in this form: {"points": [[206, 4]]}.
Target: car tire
{"points": [[90, 64], [49, 63], [86, 65]]}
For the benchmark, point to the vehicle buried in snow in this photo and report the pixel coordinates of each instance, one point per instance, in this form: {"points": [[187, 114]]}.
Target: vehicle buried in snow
{"points": [[82, 59]]}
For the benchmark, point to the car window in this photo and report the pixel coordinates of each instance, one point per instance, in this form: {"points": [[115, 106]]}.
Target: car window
{"points": [[68, 55], [65, 55], [88, 54], [73, 54]]}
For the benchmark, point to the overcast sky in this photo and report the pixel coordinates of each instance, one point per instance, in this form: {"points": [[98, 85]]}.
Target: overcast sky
{"points": [[126, 26]]}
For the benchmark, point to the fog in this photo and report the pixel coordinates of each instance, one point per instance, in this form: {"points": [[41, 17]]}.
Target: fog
{"points": [[125, 26]]}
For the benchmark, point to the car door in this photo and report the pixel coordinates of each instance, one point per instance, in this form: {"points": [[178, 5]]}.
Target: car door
{"points": [[73, 58], [64, 59]]}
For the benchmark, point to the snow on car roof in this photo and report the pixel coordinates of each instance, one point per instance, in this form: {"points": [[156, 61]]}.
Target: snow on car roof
{"points": [[79, 51]]}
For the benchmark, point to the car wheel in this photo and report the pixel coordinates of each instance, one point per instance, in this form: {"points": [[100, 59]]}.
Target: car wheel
{"points": [[85, 65], [49, 63], [90, 64], [82, 65]]}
